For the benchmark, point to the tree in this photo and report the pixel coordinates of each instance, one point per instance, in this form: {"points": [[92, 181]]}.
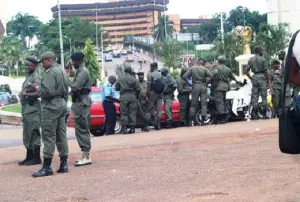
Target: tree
{"points": [[273, 38], [10, 52], [161, 31], [241, 16], [91, 62], [22, 26], [232, 48], [170, 51]]}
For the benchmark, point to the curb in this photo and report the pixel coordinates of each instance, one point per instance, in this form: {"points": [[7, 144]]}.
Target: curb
{"points": [[10, 118]]}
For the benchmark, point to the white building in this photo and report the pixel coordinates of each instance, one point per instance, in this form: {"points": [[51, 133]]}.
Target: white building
{"points": [[284, 11]]}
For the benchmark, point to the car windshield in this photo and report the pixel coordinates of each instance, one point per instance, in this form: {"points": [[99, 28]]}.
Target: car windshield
{"points": [[96, 97]]}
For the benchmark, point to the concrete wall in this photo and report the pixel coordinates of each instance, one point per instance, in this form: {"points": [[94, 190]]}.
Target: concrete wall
{"points": [[284, 11]]}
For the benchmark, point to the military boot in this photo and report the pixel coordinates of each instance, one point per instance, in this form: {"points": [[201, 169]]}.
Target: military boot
{"points": [[63, 167], [27, 158], [85, 159], [132, 130], [35, 159], [195, 121], [124, 130], [145, 129], [169, 125], [46, 170], [158, 127]]}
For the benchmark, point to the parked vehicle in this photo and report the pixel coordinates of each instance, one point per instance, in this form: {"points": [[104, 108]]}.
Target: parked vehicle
{"points": [[129, 51], [124, 52], [129, 59], [108, 58], [97, 127], [12, 99], [116, 54]]}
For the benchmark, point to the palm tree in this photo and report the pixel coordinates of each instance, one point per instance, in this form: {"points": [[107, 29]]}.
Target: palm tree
{"points": [[273, 38], [163, 29], [22, 26], [11, 53], [231, 48], [170, 51]]}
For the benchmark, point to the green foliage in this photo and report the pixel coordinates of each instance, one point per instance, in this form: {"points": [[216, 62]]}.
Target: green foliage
{"points": [[23, 25], [273, 38], [91, 62], [175, 74], [170, 52], [160, 29], [231, 49]]}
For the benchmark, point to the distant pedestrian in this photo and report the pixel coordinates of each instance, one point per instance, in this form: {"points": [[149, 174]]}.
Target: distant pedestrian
{"points": [[129, 90], [81, 107], [31, 113], [54, 94], [109, 97]]}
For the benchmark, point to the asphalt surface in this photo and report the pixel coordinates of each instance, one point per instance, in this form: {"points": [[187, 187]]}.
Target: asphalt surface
{"points": [[236, 162]]}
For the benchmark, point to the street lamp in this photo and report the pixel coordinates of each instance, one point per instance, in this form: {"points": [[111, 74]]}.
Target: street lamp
{"points": [[62, 60]]}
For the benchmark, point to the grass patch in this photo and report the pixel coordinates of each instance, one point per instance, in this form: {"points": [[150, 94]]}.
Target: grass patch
{"points": [[15, 108], [17, 77]]}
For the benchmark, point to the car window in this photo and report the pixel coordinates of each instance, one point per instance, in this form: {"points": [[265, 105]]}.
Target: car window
{"points": [[96, 97]]}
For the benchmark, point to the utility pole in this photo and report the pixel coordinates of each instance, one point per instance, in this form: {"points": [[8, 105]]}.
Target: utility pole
{"points": [[166, 34], [62, 60], [222, 29], [154, 52], [97, 40], [102, 58]]}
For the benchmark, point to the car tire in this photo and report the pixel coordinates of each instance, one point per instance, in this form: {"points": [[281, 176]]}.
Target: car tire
{"points": [[270, 111], [199, 119], [118, 126], [97, 132]]}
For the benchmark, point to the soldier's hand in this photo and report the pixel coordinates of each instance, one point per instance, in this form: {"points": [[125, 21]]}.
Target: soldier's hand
{"points": [[33, 86], [24, 93]]}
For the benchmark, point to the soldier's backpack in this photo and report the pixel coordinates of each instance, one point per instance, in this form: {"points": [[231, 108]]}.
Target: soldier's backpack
{"points": [[289, 120], [158, 85]]}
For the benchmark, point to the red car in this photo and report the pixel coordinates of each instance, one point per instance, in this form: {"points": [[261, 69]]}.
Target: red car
{"points": [[98, 116]]}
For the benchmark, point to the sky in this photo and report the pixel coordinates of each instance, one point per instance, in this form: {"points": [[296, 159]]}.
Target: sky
{"points": [[186, 8]]}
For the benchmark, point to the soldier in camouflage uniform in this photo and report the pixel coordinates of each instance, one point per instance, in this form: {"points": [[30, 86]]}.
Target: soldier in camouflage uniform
{"points": [[80, 89], [222, 78], [276, 85], [200, 77], [31, 113], [144, 114], [184, 91], [129, 89], [168, 94], [260, 81], [155, 89], [54, 94]]}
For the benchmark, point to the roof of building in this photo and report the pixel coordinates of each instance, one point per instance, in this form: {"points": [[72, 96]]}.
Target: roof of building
{"points": [[195, 20], [108, 5]]}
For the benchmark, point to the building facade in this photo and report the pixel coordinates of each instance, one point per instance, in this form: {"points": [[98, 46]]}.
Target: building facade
{"points": [[120, 18], [284, 11], [188, 23]]}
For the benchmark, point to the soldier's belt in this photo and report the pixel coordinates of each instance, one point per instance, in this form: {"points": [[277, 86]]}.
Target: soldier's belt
{"points": [[53, 97]]}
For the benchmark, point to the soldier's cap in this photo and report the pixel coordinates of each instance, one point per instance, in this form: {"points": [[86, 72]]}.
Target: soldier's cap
{"points": [[32, 60], [202, 59], [79, 56], [47, 55], [140, 73], [164, 69], [282, 52], [222, 58], [275, 61], [127, 68]]}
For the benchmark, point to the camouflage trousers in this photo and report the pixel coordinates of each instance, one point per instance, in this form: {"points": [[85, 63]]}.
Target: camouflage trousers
{"points": [[128, 110], [82, 125], [31, 131], [199, 91], [53, 125], [259, 88], [220, 100]]}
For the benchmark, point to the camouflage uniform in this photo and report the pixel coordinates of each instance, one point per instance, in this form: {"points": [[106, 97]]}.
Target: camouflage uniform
{"points": [[129, 89], [155, 99], [200, 76], [257, 64], [184, 91], [225, 75], [31, 113], [143, 106], [81, 108]]}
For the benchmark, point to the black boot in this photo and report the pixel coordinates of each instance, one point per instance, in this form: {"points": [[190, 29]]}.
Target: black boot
{"points": [[63, 167], [36, 158], [169, 125], [195, 121], [124, 130], [145, 129], [27, 158], [158, 127], [46, 170], [132, 130]]}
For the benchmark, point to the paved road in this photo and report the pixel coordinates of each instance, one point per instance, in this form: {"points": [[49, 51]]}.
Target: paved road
{"points": [[111, 66], [213, 163]]}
